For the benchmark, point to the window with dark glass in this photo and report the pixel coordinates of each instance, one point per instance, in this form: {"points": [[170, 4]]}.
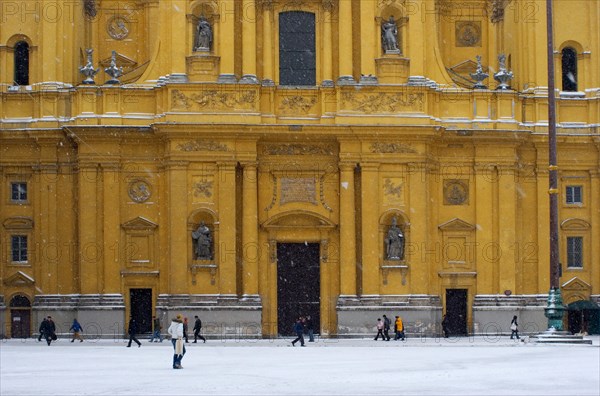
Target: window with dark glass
{"points": [[569, 69], [19, 248], [297, 55], [21, 63], [573, 195], [18, 191], [574, 252]]}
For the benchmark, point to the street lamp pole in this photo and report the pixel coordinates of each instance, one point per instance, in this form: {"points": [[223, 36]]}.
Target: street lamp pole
{"points": [[555, 309]]}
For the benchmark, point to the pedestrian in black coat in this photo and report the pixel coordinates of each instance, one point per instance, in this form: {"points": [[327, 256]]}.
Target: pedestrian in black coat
{"points": [[50, 330], [197, 329], [299, 330], [132, 332], [386, 328], [42, 329]]}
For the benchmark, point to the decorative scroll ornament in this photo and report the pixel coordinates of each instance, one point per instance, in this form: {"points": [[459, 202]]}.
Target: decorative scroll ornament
{"points": [[203, 188], [297, 149], [389, 148], [88, 70], [384, 102], [496, 10], [117, 28], [214, 99], [113, 71], [139, 191], [202, 145], [89, 7], [298, 103]]}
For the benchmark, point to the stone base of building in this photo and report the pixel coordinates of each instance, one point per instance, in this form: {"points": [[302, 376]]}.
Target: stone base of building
{"points": [[357, 316], [492, 314]]}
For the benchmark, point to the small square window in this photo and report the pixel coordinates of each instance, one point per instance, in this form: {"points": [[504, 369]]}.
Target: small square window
{"points": [[18, 191], [574, 195], [19, 248], [575, 252]]}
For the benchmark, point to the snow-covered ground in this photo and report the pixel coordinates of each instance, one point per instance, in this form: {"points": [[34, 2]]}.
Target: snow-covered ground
{"points": [[428, 366]]}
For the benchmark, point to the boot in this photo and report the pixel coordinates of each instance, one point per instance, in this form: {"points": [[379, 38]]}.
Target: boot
{"points": [[175, 361]]}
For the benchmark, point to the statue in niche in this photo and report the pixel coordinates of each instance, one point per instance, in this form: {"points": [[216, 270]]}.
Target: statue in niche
{"points": [[394, 242], [203, 239], [389, 36], [204, 35]]}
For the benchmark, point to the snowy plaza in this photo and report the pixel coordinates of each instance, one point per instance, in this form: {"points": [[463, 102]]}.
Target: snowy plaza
{"points": [[423, 366]]}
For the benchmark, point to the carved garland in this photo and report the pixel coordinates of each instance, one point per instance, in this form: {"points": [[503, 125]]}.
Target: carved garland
{"points": [[384, 102], [298, 103], [392, 148], [214, 99], [297, 149], [202, 145]]}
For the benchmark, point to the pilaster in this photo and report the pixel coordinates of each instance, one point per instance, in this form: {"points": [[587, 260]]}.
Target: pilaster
{"points": [[227, 229], [368, 46], [111, 280], [347, 231], [267, 64], [89, 259], [176, 172], [370, 228], [507, 228], [250, 246], [418, 203], [484, 236]]}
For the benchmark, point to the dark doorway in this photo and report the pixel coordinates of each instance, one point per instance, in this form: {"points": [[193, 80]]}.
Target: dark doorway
{"points": [[141, 309], [297, 54], [298, 285], [20, 317], [456, 311]]}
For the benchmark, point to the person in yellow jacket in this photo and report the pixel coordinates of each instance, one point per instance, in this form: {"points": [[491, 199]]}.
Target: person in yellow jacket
{"points": [[399, 329]]}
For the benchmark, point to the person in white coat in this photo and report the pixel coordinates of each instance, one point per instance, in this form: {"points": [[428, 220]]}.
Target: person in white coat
{"points": [[176, 332]]}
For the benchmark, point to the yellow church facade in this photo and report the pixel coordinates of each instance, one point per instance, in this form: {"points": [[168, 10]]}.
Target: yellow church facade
{"points": [[253, 161]]}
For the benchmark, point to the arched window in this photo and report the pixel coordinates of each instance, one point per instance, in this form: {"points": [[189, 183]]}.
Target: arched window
{"points": [[569, 69], [21, 63], [297, 55]]}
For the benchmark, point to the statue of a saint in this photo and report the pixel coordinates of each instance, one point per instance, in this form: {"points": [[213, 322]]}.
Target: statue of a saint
{"points": [[389, 35], [203, 35], [394, 242], [203, 242]]}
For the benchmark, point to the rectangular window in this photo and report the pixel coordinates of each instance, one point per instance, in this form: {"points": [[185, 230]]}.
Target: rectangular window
{"points": [[18, 191], [574, 252], [19, 248], [573, 194]]}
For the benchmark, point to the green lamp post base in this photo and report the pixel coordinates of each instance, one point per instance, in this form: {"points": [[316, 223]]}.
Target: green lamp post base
{"points": [[555, 310]]}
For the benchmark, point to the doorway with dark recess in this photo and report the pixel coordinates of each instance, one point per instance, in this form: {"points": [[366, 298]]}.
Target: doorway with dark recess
{"points": [[140, 308], [456, 311], [298, 285]]}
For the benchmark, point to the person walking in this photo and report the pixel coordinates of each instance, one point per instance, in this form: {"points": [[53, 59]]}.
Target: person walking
{"points": [[77, 329], [42, 329], [132, 332], [386, 327], [380, 326], [514, 328], [185, 330], [156, 329], [197, 329], [176, 333], [50, 331], [310, 328], [299, 330], [399, 327]]}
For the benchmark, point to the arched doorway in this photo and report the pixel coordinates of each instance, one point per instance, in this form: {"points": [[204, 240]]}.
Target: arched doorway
{"points": [[583, 317], [20, 317]]}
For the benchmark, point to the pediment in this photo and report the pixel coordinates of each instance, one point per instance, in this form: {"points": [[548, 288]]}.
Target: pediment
{"points": [[576, 284], [19, 279], [18, 223], [456, 224], [575, 224], [298, 219], [139, 223]]}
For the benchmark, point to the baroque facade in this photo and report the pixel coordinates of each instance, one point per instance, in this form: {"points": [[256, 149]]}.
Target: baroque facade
{"points": [[245, 160]]}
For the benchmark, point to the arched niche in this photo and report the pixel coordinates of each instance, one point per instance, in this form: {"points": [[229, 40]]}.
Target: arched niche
{"points": [[385, 222], [201, 9], [398, 12]]}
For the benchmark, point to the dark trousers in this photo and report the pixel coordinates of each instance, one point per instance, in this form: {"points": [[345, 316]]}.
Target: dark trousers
{"points": [[177, 358], [380, 333], [299, 338], [514, 333], [386, 334], [132, 338], [197, 335]]}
